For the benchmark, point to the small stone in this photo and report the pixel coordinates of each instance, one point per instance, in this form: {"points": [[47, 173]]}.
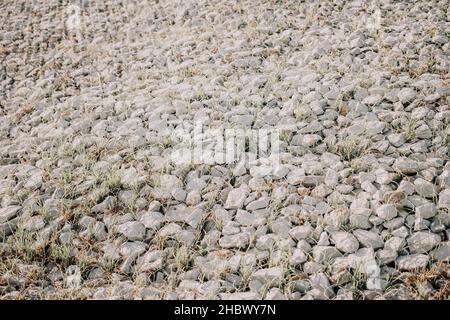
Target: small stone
{"points": [[87, 222], [295, 177], [34, 182], [383, 177], [373, 99], [169, 230], [369, 239], [321, 286], [260, 203], [321, 191], [422, 242], [240, 296], [132, 230], [301, 232], [359, 219], [397, 139], [129, 177], [238, 241], [34, 223], [444, 199], [426, 211], [386, 256], [236, 199], [406, 95], [152, 220], [345, 241], [395, 244], [412, 262], [424, 188], [406, 166], [99, 231], [9, 213], [105, 205], [179, 194], [275, 294], [324, 254], [387, 211], [331, 178], [298, 257], [193, 198], [442, 252], [271, 277]]}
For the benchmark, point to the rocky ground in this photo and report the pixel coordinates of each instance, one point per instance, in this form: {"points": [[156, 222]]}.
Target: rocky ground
{"points": [[92, 205]]}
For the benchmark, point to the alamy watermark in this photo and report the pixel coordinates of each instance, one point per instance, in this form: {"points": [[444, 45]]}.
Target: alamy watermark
{"points": [[222, 145]]}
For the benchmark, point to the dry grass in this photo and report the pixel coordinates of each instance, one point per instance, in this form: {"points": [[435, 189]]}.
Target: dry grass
{"points": [[437, 275], [351, 147]]}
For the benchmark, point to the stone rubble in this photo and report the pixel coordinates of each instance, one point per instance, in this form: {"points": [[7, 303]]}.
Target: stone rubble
{"points": [[94, 204]]}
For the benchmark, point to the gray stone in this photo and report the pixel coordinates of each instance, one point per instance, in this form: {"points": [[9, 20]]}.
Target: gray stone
{"points": [[412, 262], [421, 242], [132, 230], [324, 254], [426, 211], [236, 198], [298, 257], [442, 252], [345, 241], [397, 139], [169, 230], [152, 220], [444, 199], [9, 213], [301, 232], [240, 296], [406, 166], [34, 223], [424, 188], [271, 277], [387, 211], [260, 203], [406, 95], [237, 241], [369, 239]]}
